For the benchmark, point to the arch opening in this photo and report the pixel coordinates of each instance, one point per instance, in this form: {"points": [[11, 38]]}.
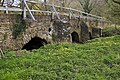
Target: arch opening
{"points": [[75, 37], [90, 34], [34, 43]]}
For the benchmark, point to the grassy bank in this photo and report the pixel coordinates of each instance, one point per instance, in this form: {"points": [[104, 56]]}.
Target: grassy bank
{"points": [[98, 59]]}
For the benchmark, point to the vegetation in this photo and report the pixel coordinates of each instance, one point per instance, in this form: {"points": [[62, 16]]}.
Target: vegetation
{"points": [[87, 5], [98, 59], [114, 11], [111, 31]]}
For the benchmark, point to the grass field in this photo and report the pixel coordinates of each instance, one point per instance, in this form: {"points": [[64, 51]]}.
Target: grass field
{"points": [[98, 59]]}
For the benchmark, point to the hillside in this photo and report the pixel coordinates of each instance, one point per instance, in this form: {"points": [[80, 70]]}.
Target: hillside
{"points": [[98, 59]]}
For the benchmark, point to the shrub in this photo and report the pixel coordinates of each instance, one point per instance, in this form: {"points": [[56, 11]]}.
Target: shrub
{"points": [[111, 31]]}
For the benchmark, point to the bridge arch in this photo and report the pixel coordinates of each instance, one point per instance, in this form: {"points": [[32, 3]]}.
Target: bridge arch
{"points": [[34, 43], [75, 37]]}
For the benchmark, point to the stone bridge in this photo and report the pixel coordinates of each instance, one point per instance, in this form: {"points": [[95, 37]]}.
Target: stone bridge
{"points": [[16, 33], [31, 31]]}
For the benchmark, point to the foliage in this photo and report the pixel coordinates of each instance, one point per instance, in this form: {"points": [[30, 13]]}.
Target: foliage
{"points": [[98, 59], [19, 26], [114, 11], [111, 31]]}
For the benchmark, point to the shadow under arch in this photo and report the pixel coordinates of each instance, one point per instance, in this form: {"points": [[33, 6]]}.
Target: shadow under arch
{"points": [[34, 43], [75, 37]]}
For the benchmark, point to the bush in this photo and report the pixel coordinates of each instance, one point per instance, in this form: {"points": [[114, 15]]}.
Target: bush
{"points": [[111, 31]]}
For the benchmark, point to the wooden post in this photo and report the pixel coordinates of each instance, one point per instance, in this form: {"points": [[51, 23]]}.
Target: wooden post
{"points": [[6, 6], [70, 15], [45, 1], [24, 9], [79, 16], [29, 10], [55, 11], [53, 15]]}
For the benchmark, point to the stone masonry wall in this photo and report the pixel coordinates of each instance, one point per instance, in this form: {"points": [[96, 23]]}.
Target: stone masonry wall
{"points": [[16, 32]]}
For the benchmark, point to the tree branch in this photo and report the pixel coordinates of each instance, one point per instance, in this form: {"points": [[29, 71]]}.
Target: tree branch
{"points": [[116, 2]]}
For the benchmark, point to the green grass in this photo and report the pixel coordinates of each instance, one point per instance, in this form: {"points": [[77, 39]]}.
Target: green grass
{"points": [[98, 59]]}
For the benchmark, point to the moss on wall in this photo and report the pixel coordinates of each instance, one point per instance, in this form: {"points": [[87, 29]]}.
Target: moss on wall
{"points": [[19, 26]]}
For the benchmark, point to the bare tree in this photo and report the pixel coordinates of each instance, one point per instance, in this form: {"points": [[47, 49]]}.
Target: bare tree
{"points": [[87, 5]]}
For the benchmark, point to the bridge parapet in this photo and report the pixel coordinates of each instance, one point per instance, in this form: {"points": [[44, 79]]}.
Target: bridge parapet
{"points": [[49, 9]]}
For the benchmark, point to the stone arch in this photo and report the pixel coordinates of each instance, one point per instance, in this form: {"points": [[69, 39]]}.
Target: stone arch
{"points": [[34, 43], [75, 37]]}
